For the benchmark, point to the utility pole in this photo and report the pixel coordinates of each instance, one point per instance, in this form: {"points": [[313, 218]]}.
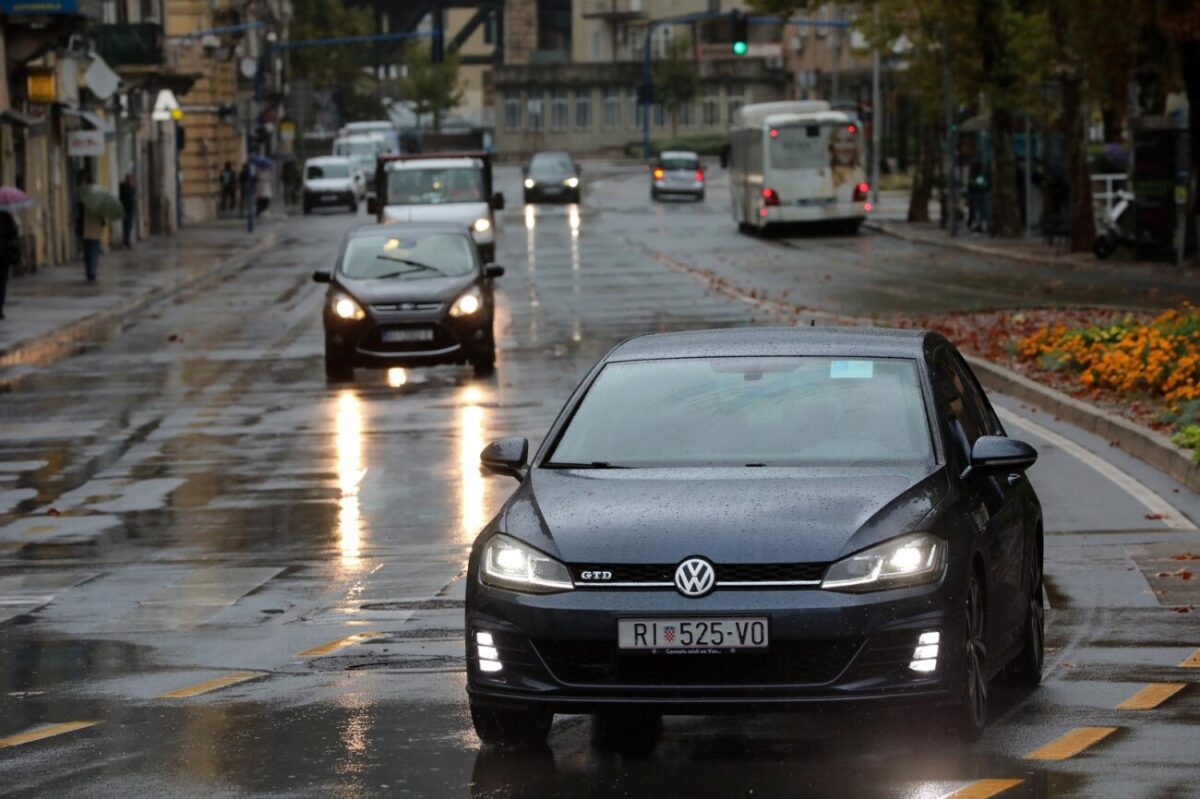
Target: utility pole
{"points": [[876, 118], [951, 137]]}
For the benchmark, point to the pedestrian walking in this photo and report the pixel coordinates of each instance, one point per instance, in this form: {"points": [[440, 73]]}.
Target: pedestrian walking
{"points": [[245, 186], [291, 183], [229, 182], [128, 193], [89, 226], [10, 252], [263, 190]]}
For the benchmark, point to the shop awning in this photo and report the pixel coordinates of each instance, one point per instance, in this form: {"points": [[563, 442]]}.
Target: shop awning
{"points": [[11, 117], [92, 118]]}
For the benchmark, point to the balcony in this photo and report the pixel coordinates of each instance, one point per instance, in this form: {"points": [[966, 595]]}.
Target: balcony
{"points": [[613, 9], [131, 44]]}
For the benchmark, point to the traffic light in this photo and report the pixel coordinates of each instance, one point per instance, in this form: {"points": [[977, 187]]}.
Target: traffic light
{"points": [[739, 24]]}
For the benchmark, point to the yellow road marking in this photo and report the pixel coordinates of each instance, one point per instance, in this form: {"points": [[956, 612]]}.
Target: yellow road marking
{"points": [[1152, 696], [44, 732], [1071, 744], [212, 685], [982, 789], [1193, 662], [333, 646]]}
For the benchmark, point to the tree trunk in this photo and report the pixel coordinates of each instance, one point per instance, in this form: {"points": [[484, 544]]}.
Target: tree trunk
{"points": [[1081, 221], [1006, 214], [1189, 61], [922, 187]]}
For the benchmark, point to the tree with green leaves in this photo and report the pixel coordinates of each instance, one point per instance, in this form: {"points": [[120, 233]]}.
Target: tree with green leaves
{"points": [[431, 88], [327, 67], [676, 80]]}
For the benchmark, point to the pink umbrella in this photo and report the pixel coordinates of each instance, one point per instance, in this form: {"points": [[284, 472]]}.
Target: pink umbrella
{"points": [[11, 198]]}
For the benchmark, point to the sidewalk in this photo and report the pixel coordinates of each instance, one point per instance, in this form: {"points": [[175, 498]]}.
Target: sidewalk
{"points": [[50, 312]]}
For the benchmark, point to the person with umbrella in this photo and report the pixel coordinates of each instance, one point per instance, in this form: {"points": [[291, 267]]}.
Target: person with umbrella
{"points": [[95, 208], [128, 197], [11, 198]]}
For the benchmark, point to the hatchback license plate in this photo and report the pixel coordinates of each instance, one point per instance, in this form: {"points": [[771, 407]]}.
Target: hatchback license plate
{"points": [[693, 633], [394, 336]]}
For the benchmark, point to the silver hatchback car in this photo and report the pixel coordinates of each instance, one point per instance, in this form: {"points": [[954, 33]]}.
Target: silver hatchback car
{"points": [[677, 172]]}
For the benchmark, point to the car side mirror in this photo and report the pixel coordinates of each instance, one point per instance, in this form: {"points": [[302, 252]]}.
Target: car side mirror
{"points": [[525, 169], [578, 169], [507, 456], [998, 455], [372, 206], [498, 201], [493, 270], [322, 276]]}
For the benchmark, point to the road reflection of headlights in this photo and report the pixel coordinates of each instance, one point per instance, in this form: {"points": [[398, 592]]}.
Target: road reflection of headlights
{"points": [[345, 308], [908, 560], [467, 304], [509, 563], [482, 225], [571, 183], [529, 183]]}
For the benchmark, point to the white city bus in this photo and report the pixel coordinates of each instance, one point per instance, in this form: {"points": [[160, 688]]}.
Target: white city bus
{"points": [[796, 161]]}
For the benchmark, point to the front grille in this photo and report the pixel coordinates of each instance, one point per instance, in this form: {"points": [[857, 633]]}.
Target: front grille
{"points": [[373, 341], [784, 663], [726, 573], [408, 307], [887, 654]]}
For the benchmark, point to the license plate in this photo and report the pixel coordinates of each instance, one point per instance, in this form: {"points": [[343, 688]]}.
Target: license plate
{"points": [[693, 633], [329, 198], [394, 336], [553, 189]]}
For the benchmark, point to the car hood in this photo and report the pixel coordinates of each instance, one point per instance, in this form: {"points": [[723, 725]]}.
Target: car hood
{"points": [[663, 516], [443, 289], [327, 184], [466, 213]]}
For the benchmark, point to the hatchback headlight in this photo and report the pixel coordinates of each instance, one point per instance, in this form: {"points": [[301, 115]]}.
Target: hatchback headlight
{"points": [[344, 307], [907, 560], [482, 225], [468, 303], [571, 183], [530, 183], [509, 563]]}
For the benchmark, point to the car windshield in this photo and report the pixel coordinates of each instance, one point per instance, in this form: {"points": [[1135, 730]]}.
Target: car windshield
{"points": [[771, 411], [369, 147], [680, 164], [431, 186], [397, 256], [319, 171], [551, 166]]}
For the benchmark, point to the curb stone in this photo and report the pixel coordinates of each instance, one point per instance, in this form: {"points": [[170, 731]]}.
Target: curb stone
{"points": [[1142, 443], [967, 246], [53, 345]]}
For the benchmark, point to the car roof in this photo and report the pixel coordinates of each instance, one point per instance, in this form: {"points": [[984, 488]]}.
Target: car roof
{"points": [[552, 154], [432, 163], [865, 342], [409, 229], [678, 154], [339, 159]]}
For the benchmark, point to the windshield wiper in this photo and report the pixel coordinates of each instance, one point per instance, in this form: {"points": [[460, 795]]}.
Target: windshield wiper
{"points": [[418, 267], [591, 465]]}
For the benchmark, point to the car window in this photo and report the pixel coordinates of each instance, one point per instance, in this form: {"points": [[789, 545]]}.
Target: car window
{"points": [[395, 256], [434, 186], [974, 393], [771, 411], [960, 412], [680, 164], [551, 166], [315, 172]]}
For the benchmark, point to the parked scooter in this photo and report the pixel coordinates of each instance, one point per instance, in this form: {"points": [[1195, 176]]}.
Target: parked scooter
{"points": [[1113, 235]]}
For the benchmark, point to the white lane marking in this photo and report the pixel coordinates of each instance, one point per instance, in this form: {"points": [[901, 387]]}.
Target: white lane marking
{"points": [[1158, 507]]}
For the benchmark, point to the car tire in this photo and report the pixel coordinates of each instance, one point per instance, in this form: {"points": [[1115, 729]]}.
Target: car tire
{"points": [[965, 719], [507, 727], [307, 208], [1104, 246], [485, 365], [528, 198], [1025, 670], [628, 731], [700, 197], [336, 369], [852, 227], [654, 195], [353, 206]]}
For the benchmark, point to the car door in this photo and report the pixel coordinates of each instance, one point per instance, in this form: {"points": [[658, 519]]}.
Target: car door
{"points": [[993, 501]]}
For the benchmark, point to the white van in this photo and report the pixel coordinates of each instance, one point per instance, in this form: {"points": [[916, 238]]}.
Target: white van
{"points": [[379, 127], [796, 161]]}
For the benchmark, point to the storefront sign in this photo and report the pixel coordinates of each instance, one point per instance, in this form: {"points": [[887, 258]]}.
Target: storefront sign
{"points": [[17, 7], [88, 143]]}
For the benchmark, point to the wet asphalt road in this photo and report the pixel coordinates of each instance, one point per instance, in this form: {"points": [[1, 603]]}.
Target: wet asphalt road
{"points": [[187, 507]]}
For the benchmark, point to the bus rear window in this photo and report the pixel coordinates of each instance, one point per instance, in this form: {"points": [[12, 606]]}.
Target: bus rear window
{"points": [[812, 147]]}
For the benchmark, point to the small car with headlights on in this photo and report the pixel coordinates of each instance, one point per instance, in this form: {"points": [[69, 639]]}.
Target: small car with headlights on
{"points": [[552, 177], [677, 173], [408, 295], [332, 180], [758, 520]]}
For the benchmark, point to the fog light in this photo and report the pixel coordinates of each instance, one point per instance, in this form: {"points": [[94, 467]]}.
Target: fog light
{"points": [[489, 666], [916, 665], [930, 638], [926, 652], [484, 638], [488, 653]]}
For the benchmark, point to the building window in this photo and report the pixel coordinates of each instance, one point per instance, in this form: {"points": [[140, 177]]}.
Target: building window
{"points": [[736, 101], [660, 115], [533, 113], [635, 110], [597, 45], [558, 109], [583, 108], [712, 110], [612, 107], [687, 114], [489, 28], [512, 112]]}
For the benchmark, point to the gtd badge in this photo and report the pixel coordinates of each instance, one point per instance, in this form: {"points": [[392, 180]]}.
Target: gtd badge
{"points": [[595, 575], [695, 577]]}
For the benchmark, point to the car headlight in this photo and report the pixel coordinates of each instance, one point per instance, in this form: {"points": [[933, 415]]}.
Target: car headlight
{"points": [[530, 183], [344, 307], [907, 560], [509, 563], [482, 225], [571, 183], [467, 304]]}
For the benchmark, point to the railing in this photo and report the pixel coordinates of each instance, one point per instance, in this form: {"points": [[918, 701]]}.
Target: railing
{"points": [[1104, 191]]}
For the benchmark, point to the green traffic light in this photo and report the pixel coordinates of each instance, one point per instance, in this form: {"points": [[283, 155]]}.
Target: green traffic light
{"points": [[740, 48]]}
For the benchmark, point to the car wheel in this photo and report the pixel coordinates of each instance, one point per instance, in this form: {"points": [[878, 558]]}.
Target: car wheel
{"points": [[353, 206], [965, 719], [1104, 246], [1025, 670], [852, 227], [336, 370], [505, 727], [485, 365], [654, 195], [528, 198], [626, 730], [700, 197], [307, 209]]}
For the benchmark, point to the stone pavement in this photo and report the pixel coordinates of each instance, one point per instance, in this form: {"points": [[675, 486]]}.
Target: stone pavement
{"points": [[54, 310]]}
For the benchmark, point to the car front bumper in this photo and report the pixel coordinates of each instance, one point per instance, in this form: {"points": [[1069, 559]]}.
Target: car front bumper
{"points": [[694, 187], [361, 343], [315, 199], [543, 192], [558, 651]]}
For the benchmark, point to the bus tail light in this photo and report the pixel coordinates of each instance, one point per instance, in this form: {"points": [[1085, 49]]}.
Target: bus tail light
{"points": [[658, 174], [700, 174], [860, 192], [770, 197]]}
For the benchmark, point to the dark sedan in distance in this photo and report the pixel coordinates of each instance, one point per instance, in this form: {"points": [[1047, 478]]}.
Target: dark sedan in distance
{"points": [[757, 519], [408, 295], [552, 176]]}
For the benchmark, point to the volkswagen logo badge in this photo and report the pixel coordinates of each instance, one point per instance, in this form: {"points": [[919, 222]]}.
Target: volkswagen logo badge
{"points": [[695, 577]]}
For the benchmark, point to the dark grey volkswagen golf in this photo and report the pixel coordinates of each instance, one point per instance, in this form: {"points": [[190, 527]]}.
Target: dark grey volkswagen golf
{"points": [[758, 519]]}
